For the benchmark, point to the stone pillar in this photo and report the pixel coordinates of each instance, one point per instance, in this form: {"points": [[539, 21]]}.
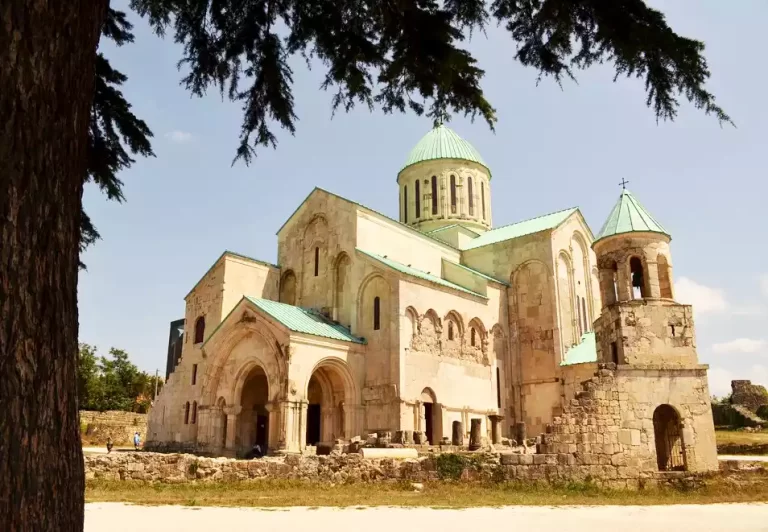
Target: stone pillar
{"points": [[607, 290], [520, 433], [457, 434], [475, 436], [233, 414], [496, 428], [624, 281], [652, 279]]}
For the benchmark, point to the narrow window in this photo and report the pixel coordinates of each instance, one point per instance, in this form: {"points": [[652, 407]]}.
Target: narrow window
{"points": [[472, 337], [638, 280], [194, 412], [471, 199], [405, 204], [376, 313], [482, 197], [186, 413], [615, 282], [453, 194], [450, 330], [194, 374], [199, 330], [584, 313], [317, 261], [498, 387], [614, 353], [578, 313], [418, 199], [434, 194]]}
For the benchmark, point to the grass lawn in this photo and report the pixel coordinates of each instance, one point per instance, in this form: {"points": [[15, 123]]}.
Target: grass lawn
{"points": [[740, 442], [744, 487]]}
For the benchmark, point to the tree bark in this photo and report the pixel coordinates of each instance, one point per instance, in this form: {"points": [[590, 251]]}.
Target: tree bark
{"points": [[47, 58]]}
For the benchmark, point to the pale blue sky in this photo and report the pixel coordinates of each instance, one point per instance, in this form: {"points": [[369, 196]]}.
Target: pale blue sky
{"points": [[552, 149]]}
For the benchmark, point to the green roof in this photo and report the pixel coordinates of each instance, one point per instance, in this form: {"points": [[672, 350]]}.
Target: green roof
{"points": [[480, 274], [516, 230], [402, 268], [585, 352], [305, 321], [443, 143], [628, 216]]}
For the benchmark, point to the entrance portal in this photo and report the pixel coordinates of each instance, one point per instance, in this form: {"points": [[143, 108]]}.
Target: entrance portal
{"points": [[254, 418], [431, 420], [670, 452], [429, 423], [313, 424], [326, 397]]}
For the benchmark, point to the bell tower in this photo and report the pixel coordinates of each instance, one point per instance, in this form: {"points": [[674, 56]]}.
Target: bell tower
{"points": [[641, 323]]}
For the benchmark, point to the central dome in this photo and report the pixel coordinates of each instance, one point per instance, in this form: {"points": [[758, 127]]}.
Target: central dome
{"points": [[443, 143]]}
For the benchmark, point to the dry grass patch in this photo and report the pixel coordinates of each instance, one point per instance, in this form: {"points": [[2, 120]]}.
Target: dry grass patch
{"points": [[742, 487], [741, 442]]}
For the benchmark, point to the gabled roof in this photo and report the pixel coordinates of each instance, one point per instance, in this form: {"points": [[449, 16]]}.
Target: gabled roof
{"points": [[231, 254], [585, 352], [443, 143], [369, 210], [516, 230], [408, 270], [303, 320], [629, 216]]}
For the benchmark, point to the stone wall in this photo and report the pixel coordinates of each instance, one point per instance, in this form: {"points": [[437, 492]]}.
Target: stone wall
{"points": [[96, 427], [752, 396], [174, 468]]}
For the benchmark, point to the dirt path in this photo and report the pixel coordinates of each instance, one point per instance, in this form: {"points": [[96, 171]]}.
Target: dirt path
{"points": [[117, 517]]}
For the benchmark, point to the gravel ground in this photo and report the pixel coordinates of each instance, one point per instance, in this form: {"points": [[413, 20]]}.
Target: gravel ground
{"points": [[116, 517]]}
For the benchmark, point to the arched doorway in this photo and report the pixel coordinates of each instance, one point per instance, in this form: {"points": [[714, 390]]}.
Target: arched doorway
{"points": [[326, 395], [254, 416], [431, 417], [670, 451]]}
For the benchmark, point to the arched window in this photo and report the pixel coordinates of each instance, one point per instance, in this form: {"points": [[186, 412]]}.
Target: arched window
{"points": [[453, 194], [615, 269], [418, 199], [638, 279], [194, 413], [450, 330], [482, 198], [472, 336], [471, 198], [317, 261], [376, 313], [199, 330], [186, 413], [584, 313], [434, 194], [578, 314], [405, 204]]}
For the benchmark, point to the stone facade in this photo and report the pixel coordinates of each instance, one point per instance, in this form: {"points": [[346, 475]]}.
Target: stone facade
{"points": [[436, 321]]}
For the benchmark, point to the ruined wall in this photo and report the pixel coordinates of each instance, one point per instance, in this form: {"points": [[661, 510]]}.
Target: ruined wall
{"points": [[752, 396], [175, 468], [96, 427]]}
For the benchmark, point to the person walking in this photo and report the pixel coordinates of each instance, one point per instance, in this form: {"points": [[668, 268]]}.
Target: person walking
{"points": [[136, 440], [109, 445]]}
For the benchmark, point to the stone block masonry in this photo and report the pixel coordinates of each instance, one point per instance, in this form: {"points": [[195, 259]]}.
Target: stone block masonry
{"points": [[96, 427], [487, 467]]}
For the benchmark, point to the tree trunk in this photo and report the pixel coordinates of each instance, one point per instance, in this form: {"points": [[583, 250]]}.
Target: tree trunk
{"points": [[47, 58]]}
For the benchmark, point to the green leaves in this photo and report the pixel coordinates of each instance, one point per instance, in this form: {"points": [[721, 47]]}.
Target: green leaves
{"points": [[406, 55], [112, 383]]}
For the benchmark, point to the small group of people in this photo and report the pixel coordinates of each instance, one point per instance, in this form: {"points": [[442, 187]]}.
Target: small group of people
{"points": [[136, 442]]}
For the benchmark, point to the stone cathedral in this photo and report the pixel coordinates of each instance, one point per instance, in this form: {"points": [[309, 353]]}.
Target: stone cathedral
{"points": [[370, 324]]}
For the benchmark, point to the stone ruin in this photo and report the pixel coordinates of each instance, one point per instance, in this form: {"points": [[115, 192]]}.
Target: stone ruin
{"points": [[751, 396]]}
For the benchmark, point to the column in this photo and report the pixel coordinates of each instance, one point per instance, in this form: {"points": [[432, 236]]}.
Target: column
{"points": [[233, 415], [496, 428], [475, 434], [457, 434], [624, 281], [652, 279]]}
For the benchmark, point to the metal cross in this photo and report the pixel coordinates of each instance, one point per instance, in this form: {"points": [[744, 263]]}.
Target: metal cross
{"points": [[624, 183]]}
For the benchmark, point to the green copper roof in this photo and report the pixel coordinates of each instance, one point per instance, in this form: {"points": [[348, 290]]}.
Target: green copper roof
{"points": [[527, 227], [304, 320], [443, 143], [402, 268], [585, 352], [628, 216]]}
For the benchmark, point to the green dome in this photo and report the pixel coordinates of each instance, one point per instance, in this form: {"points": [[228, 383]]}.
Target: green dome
{"points": [[443, 143]]}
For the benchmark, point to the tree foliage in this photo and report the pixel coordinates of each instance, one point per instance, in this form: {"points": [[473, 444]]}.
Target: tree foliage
{"points": [[398, 55], [112, 383]]}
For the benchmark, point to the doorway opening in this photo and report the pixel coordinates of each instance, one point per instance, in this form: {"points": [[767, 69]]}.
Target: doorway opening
{"points": [[670, 450]]}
